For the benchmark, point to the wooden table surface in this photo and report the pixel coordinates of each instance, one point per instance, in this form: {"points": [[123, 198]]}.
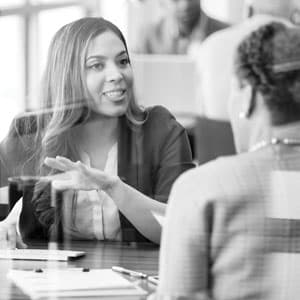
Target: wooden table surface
{"points": [[100, 255]]}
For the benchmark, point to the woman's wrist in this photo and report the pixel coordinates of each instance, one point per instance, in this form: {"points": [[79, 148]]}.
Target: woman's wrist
{"points": [[112, 186], [117, 191]]}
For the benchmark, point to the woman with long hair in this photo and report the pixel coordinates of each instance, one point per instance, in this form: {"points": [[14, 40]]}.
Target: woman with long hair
{"points": [[93, 138]]}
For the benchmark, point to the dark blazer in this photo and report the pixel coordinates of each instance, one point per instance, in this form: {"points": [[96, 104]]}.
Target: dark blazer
{"points": [[150, 157]]}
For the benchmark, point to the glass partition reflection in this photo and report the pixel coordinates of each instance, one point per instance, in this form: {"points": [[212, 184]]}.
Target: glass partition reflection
{"points": [[11, 71], [10, 3]]}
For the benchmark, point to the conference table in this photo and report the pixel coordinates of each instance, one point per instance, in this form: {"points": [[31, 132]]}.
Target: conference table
{"points": [[140, 257]]}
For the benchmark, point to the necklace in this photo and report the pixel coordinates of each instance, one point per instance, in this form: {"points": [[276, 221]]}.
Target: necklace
{"points": [[275, 141]]}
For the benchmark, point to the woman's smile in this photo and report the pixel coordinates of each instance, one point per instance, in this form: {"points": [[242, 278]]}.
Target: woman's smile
{"points": [[109, 75], [115, 95]]}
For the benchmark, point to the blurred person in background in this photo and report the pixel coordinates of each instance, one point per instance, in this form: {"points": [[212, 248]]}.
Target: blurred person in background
{"points": [[215, 55], [119, 160], [183, 23], [213, 243]]}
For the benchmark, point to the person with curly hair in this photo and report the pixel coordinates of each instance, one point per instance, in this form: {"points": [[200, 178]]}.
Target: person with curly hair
{"points": [[215, 66], [218, 235]]}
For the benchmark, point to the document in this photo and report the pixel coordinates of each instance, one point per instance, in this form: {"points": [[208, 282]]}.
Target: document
{"points": [[74, 282], [40, 254]]}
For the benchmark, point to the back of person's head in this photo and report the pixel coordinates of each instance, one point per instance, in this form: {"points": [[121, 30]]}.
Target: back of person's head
{"points": [[288, 9], [269, 60]]}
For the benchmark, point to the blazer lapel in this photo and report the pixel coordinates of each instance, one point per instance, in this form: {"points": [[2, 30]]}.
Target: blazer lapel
{"points": [[129, 168], [130, 151]]}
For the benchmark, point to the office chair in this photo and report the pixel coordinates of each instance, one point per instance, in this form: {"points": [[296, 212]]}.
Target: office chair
{"points": [[213, 138]]}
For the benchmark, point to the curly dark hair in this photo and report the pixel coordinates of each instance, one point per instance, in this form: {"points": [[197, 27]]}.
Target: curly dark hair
{"points": [[270, 45]]}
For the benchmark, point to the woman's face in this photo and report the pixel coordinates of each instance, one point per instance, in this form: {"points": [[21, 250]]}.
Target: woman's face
{"points": [[108, 75]]}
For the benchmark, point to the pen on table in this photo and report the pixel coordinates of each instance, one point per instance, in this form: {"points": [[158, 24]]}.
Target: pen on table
{"points": [[129, 272]]}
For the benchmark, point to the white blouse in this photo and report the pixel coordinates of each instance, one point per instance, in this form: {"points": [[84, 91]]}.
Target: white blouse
{"points": [[94, 214]]}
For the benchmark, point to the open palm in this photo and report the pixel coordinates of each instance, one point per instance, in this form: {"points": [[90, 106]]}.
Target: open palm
{"points": [[77, 176]]}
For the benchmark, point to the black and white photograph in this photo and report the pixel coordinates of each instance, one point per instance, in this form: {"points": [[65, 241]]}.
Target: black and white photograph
{"points": [[150, 149]]}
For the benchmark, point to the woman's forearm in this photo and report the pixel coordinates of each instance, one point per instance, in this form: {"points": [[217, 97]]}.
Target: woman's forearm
{"points": [[135, 206], [138, 209]]}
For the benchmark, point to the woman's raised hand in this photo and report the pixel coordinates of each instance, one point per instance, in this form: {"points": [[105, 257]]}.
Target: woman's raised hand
{"points": [[78, 176]]}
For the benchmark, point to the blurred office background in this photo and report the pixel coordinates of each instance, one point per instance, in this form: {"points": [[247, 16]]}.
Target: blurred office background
{"points": [[27, 26]]}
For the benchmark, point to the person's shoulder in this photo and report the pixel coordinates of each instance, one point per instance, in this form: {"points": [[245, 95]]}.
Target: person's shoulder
{"points": [[158, 111], [205, 181], [160, 116], [153, 28], [233, 164], [150, 34], [222, 167], [161, 124]]}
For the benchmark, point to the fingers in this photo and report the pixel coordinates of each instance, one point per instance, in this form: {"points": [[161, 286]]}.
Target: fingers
{"points": [[76, 175], [60, 176], [62, 163], [64, 184], [8, 236], [55, 164], [65, 161]]}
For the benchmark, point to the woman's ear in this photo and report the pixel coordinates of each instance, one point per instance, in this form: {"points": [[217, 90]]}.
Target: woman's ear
{"points": [[249, 100]]}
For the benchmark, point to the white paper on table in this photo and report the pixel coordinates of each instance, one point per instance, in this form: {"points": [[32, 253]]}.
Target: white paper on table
{"points": [[39, 254], [73, 282]]}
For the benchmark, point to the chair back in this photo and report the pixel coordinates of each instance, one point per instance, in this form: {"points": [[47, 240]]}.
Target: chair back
{"points": [[213, 138]]}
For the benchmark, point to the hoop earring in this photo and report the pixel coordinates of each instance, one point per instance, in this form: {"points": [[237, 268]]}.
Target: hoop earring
{"points": [[246, 114]]}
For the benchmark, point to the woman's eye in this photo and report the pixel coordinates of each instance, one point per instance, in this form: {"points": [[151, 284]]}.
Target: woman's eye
{"points": [[96, 66], [124, 62]]}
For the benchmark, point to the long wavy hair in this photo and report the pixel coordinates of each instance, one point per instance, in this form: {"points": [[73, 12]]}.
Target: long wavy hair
{"points": [[64, 94]]}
